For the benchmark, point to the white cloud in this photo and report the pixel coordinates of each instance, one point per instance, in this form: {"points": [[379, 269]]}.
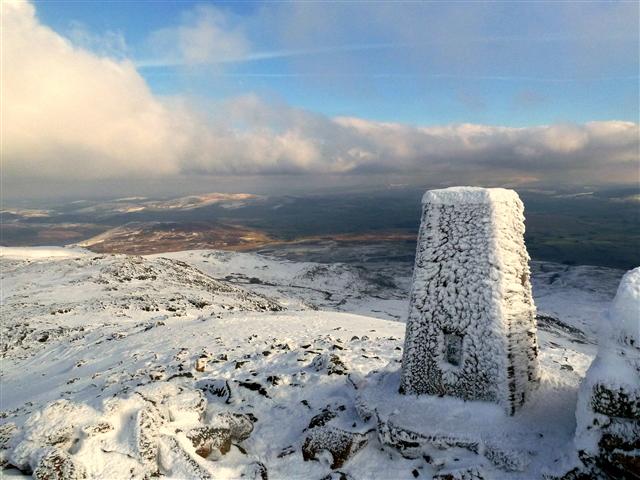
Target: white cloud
{"points": [[205, 36], [70, 114]]}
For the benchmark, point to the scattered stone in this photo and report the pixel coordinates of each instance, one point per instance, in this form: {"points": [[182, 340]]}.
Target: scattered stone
{"points": [[254, 386], [181, 375], [329, 362], [256, 471], [461, 474], [201, 363], [240, 425], [215, 389], [206, 439], [321, 419], [342, 445], [286, 451], [273, 379], [222, 357], [97, 428], [157, 375], [337, 475]]}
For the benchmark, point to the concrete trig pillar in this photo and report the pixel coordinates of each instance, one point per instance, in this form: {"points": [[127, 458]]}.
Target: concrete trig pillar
{"points": [[471, 330]]}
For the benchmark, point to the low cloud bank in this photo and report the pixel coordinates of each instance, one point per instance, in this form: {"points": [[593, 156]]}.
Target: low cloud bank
{"points": [[71, 114]]}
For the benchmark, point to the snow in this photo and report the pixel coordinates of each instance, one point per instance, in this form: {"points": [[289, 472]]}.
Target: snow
{"points": [[469, 195], [608, 409], [475, 427], [90, 342], [625, 310], [471, 299], [41, 252]]}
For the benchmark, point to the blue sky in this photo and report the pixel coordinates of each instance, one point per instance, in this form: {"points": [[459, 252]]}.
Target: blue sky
{"points": [[99, 95], [499, 63]]}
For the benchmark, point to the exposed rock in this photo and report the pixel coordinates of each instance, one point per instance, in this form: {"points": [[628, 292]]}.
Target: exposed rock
{"points": [[215, 389], [254, 386], [615, 402], [408, 443], [97, 428], [191, 403], [322, 418], [7, 432], [363, 410], [58, 465], [147, 424], [461, 474], [578, 473], [608, 410], [240, 425], [342, 445], [201, 363], [207, 439], [176, 462], [337, 475], [286, 451], [256, 471], [329, 362], [412, 445], [506, 459]]}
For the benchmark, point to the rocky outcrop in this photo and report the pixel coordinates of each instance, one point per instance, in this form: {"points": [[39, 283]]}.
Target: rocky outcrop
{"points": [[608, 414]]}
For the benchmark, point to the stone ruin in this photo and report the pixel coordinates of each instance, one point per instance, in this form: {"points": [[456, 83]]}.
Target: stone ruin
{"points": [[608, 413], [471, 329]]}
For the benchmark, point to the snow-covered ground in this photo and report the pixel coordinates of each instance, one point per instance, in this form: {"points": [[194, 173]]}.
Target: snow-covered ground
{"points": [[288, 348]]}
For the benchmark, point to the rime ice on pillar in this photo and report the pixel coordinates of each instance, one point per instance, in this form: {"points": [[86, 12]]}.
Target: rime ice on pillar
{"points": [[471, 330]]}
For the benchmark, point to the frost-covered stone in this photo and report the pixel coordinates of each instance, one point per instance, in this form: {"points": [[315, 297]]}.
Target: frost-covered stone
{"points": [[146, 430], [57, 425], [329, 362], [342, 445], [188, 405], [256, 471], [240, 425], [459, 474], [471, 330], [208, 439], [58, 465], [178, 463], [608, 413], [215, 389]]}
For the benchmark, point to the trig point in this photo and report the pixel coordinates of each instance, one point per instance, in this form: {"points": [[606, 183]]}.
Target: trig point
{"points": [[471, 330]]}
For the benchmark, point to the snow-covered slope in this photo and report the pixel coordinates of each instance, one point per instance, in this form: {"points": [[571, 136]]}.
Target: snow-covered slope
{"points": [[115, 341]]}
